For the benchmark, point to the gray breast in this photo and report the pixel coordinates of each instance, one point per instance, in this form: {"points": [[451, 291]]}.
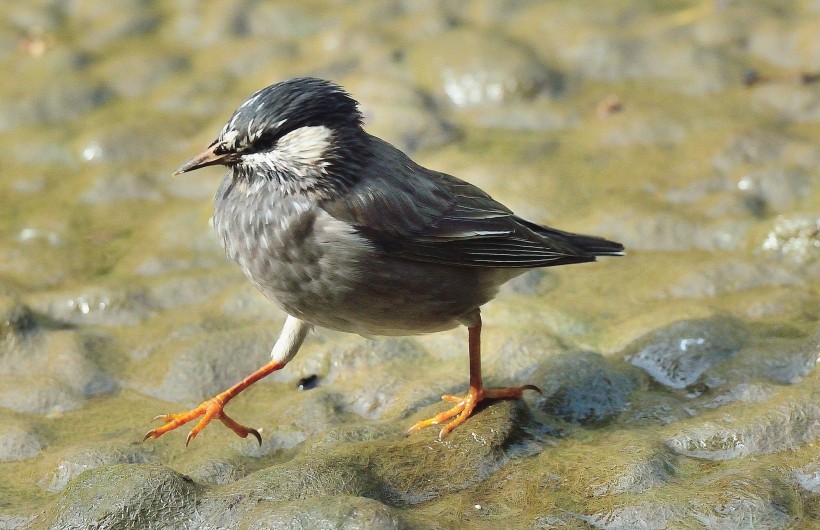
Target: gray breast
{"points": [[320, 269], [294, 252]]}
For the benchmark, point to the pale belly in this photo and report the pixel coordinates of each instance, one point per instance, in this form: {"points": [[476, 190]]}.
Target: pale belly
{"points": [[356, 290]]}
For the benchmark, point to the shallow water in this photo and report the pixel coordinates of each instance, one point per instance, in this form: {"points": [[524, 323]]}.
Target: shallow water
{"points": [[680, 382]]}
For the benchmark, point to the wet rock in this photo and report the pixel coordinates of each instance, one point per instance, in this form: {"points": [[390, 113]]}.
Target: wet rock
{"points": [[731, 275], [275, 439], [325, 513], [541, 115], [18, 442], [641, 133], [396, 470], [188, 230], [792, 102], [121, 187], [16, 320], [584, 388], [33, 16], [749, 150], [680, 354], [134, 74], [200, 28], [738, 499], [294, 21], [744, 393], [212, 465], [37, 395], [592, 48], [33, 263], [107, 23], [53, 102], [15, 522], [162, 265], [782, 43], [637, 468], [49, 371], [654, 472], [287, 419], [393, 110], [77, 460], [134, 153], [145, 496], [374, 400], [365, 376], [94, 305], [694, 191], [782, 361], [202, 367], [744, 499], [638, 516], [674, 231], [466, 68], [346, 433], [189, 289], [349, 358], [787, 427], [775, 189], [808, 477], [534, 282], [795, 238], [521, 359], [247, 302]]}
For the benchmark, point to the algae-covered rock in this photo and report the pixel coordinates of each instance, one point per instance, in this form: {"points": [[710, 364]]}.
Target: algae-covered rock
{"points": [[785, 428], [678, 355], [337, 512], [585, 388], [145, 496]]}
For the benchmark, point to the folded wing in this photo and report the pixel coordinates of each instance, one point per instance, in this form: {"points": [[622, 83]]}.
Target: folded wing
{"points": [[423, 215]]}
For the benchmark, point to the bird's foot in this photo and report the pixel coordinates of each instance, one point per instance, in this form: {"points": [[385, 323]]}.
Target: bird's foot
{"points": [[465, 405], [209, 410]]}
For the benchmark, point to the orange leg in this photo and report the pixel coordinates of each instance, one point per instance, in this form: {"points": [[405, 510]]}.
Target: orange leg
{"points": [[213, 409], [290, 339], [464, 406]]}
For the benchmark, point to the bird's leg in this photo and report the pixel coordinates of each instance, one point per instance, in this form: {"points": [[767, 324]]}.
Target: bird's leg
{"points": [[213, 409], [465, 405], [293, 333]]}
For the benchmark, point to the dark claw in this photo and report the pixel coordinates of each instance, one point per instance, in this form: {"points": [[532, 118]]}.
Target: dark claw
{"points": [[532, 387], [148, 435], [256, 434], [191, 436]]}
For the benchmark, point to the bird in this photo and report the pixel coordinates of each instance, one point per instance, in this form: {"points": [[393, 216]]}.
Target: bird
{"points": [[342, 230]]}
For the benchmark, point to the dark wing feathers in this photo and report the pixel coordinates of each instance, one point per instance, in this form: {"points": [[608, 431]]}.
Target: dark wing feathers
{"points": [[428, 216]]}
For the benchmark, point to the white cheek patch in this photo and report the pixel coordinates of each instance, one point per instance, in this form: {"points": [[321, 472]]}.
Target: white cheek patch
{"points": [[307, 145], [299, 158]]}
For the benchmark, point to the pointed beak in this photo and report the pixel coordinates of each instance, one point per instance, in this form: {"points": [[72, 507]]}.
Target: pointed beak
{"points": [[208, 157]]}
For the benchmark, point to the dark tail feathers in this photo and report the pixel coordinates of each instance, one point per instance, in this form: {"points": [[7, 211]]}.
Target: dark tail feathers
{"points": [[589, 245], [597, 246]]}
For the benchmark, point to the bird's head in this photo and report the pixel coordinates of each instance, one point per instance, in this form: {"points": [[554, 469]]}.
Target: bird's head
{"points": [[304, 132]]}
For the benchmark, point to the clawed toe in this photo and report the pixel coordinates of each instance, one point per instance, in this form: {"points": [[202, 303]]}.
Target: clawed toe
{"points": [[209, 410], [465, 405]]}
